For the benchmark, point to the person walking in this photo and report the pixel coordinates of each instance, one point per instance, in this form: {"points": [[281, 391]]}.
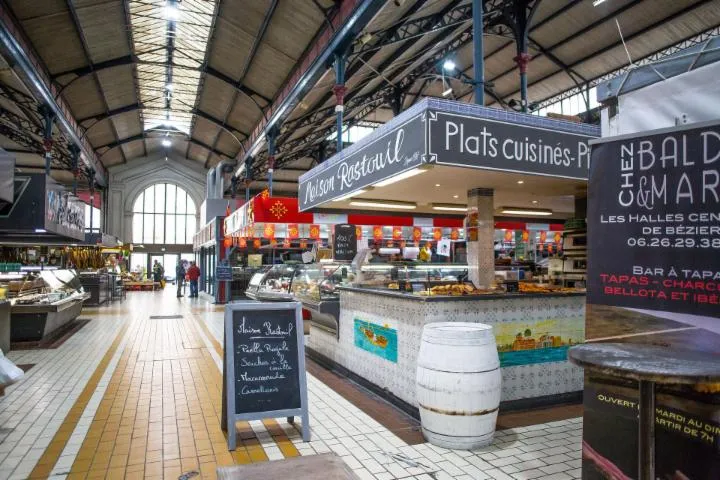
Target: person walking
{"points": [[157, 272], [193, 274], [179, 278]]}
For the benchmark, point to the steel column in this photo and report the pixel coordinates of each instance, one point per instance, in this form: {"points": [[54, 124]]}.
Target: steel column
{"points": [[271, 135], [339, 89], [478, 52]]}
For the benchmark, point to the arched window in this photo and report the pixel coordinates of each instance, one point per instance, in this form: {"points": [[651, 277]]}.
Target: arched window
{"points": [[163, 213]]}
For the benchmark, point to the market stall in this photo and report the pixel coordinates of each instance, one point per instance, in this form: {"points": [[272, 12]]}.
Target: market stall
{"points": [[493, 167]]}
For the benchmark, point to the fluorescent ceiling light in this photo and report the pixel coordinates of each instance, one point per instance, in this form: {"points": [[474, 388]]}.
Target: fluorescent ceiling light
{"points": [[403, 176], [540, 212], [449, 207], [384, 204], [169, 87], [449, 65], [40, 230], [447, 92], [166, 142], [352, 194], [172, 12], [597, 2]]}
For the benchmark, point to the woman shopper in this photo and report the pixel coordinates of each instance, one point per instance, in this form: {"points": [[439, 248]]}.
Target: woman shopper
{"points": [[193, 274]]}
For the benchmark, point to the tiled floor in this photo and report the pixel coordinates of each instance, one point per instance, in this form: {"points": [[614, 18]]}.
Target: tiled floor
{"points": [[128, 396]]}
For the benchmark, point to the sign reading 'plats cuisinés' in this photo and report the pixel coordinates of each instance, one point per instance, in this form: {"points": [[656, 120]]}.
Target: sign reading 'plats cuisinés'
{"points": [[470, 141], [393, 152], [654, 222]]}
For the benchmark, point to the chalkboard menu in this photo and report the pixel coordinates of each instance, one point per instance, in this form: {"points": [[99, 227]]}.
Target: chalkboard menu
{"points": [[345, 243], [265, 370]]}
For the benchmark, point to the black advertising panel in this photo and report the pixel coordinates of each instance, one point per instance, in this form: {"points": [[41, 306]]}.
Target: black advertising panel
{"points": [[654, 222], [264, 375], [266, 361], [345, 242], [398, 149], [476, 142]]}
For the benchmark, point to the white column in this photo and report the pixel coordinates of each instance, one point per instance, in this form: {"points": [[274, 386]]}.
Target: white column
{"points": [[480, 234]]}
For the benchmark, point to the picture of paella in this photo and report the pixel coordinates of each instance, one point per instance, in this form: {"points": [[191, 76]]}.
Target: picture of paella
{"points": [[380, 340]]}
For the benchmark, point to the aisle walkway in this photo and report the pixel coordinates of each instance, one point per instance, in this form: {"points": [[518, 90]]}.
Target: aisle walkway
{"points": [[136, 394]]}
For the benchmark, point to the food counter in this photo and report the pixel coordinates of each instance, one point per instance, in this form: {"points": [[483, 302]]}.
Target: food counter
{"points": [[272, 284], [315, 286], [38, 312], [382, 313], [97, 285]]}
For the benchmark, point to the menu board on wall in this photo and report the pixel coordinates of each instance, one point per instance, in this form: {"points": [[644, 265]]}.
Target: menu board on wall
{"points": [[654, 222], [264, 364], [345, 242], [654, 278]]}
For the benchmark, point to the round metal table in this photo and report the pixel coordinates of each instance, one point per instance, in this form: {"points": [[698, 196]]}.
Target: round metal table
{"points": [[648, 365]]}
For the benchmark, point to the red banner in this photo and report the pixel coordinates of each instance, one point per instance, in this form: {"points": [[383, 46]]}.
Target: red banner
{"points": [[508, 235], [303, 244], [227, 242], [454, 234], [550, 248], [315, 232], [257, 243], [397, 233], [293, 231], [269, 230], [358, 232], [286, 243], [543, 236], [242, 242], [437, 233], [377, 232], [417, 234], [525, 236], [558, 237]]}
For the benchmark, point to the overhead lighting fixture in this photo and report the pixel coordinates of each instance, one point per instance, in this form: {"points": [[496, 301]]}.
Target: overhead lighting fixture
{"points": [[449, 207], [352, 194], [40, 230], [437, 184], [403, 176], [172, 12], [166, 142], [520, 182], [534, 202], [456, 196], [447, 92], [365, 38], [448, 65], [384, 204], [535, 212], [169, 87], [597, 2]]}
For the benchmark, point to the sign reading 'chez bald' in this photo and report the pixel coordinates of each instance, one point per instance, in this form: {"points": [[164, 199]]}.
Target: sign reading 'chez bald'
{"points": [[393, 152]]}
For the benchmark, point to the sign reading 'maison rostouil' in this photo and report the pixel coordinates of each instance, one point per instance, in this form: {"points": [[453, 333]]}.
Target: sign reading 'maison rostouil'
{"points": [[394, 152], [433, 132], [469, 141]]}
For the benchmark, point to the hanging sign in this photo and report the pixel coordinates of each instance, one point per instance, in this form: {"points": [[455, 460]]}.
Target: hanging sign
{"points": [[293, 231], [557, 237], [377, 232], [269, 230], [286, 243], [303, 244], [242, 242], [417, 234], [397, 233], [257, 243], [454, 234], [358, 232], [508, 235], [345, 242], [525, 236], [443, 247], [543, 236], [437, 233]]}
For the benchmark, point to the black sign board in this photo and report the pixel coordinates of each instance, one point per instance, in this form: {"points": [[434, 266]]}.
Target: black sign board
{"points": [[392, 152], [264, 364], [476, 142], [345, 242], [654, 221]]}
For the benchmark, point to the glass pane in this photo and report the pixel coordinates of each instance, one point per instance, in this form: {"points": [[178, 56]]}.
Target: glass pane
{"points": [[170, 229], [190, 205], [181, 201], [149, 222], [97, 216], [138, 262], [137, 228], [180, 229], [150, 199], [87, 216], [159, 236], [160, 198], [171, 198], [169, 264], [190, 229], [139, 203]]}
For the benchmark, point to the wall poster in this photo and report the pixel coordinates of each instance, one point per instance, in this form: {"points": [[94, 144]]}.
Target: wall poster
{"points": [[654, 278], [379, 340]]}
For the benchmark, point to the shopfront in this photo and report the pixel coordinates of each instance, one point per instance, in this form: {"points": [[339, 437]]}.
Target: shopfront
{"points": [[516, 180]]}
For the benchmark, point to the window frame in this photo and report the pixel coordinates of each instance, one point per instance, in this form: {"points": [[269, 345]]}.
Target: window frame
{"points": [[141, 207]]}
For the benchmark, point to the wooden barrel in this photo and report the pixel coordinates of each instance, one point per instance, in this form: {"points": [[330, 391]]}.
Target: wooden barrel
{"points": [[458, 384]]}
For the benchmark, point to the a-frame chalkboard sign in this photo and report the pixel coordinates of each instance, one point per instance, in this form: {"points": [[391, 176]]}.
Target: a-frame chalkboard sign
{"points": [[264, 373]]}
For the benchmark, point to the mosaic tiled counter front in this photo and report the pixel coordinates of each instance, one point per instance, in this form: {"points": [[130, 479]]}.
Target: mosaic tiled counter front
{"points": [[380, 338]]}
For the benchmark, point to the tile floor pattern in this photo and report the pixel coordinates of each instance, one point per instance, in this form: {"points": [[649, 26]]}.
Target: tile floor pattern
{"points": [[131, 397]]}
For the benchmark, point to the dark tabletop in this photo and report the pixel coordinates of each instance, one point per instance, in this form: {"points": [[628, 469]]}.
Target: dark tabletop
{"points": [[647, 362]]}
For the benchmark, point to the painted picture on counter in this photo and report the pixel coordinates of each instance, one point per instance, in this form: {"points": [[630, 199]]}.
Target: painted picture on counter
{"points": [[527, 343], [376, 339]]}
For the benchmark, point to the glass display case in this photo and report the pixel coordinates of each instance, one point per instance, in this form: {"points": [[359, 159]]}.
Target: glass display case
{"points": [[272, 283], [410, 277], [315, 286]]}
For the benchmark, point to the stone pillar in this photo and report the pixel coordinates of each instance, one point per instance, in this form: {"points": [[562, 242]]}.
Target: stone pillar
{"points": [[480, 234]]}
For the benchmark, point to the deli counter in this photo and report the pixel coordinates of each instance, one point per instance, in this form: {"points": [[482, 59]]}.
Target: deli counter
{"points": [[42, 302]]}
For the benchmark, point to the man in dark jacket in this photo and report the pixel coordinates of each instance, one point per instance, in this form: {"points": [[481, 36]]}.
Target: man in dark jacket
{"points": [[179, 278]]}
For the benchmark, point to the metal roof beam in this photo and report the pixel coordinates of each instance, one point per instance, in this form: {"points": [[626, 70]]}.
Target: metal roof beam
{"points": [[121, 142], [111, 113], [40, 82], [216, 121]]}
